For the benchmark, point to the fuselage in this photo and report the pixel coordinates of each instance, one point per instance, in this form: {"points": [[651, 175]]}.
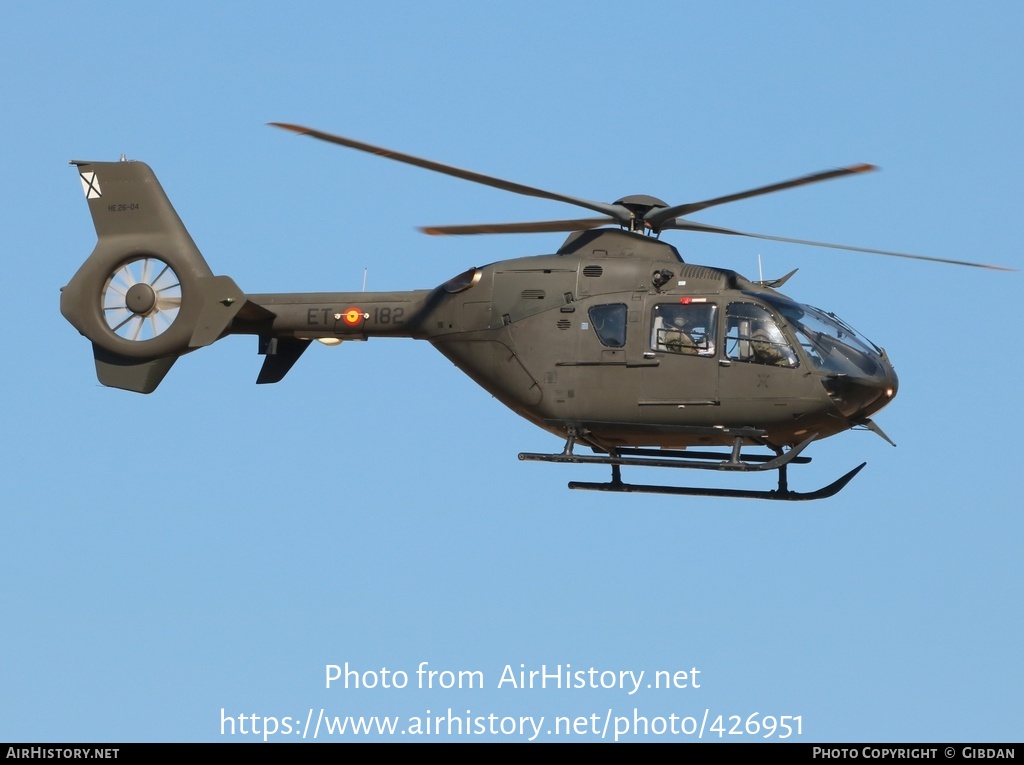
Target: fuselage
{"points": [[614, 335]]}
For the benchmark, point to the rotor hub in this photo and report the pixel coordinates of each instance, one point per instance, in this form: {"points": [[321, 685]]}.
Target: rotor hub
{"points": [[140, 299], [639, 205], [640, 202]]}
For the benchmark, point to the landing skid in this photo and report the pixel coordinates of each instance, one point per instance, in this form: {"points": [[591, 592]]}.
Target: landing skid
{"points": [[735, 461], [782, 493]]}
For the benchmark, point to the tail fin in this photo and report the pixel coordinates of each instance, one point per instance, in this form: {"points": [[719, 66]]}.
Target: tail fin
{"points": [[145, 295]]}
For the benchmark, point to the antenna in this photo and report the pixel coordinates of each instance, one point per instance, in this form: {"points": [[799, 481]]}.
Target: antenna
{"points": [[760, 272], [364, 278]]}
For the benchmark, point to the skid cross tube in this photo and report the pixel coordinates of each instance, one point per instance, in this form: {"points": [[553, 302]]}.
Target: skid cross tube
{"points": [[674, 459]]}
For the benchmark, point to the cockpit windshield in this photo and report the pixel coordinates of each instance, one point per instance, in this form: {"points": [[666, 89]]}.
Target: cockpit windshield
{"points": [[829, 343]]}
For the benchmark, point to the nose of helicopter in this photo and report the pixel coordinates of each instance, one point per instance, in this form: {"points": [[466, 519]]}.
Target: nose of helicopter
{"points": [[888, 385], [860, 396]]}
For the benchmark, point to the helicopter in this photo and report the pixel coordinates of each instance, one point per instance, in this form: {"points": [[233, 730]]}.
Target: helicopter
{"points": [[612, 343]]}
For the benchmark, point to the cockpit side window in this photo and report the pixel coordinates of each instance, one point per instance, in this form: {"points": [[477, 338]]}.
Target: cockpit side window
{"points": [[687, 328], [753, 336], [609, 322]]}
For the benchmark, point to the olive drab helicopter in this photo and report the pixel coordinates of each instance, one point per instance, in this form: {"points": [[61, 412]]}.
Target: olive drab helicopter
{"points": [[612, 343]]}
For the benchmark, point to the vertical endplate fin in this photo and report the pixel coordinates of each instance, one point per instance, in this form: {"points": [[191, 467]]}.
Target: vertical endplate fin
{"points": [[281, 355]]}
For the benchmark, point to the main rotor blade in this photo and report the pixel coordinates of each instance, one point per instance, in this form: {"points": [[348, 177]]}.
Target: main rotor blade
{"points": [[658, 216], [619, 213], [689, 225], [537, 227]]}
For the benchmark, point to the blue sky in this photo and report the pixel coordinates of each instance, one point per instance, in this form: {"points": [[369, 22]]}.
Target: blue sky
{"points": [[217, 544]]}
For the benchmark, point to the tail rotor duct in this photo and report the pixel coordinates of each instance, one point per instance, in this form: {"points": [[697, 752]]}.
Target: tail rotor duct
{"points": [[141, 299]]}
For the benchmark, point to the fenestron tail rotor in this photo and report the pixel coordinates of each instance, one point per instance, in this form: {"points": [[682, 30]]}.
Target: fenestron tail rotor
{"points": [[638, 213], [141, 299]]}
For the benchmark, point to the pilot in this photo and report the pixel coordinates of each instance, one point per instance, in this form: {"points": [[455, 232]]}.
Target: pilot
{"points": [[769, 347], [677, 339]]}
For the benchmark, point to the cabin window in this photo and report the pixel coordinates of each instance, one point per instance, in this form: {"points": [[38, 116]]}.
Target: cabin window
{"points": [[609, 322], [687, 328], [753, 336]]}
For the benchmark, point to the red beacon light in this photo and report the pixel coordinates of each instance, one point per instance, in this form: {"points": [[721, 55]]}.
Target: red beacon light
{"points": [[353, 317]]}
